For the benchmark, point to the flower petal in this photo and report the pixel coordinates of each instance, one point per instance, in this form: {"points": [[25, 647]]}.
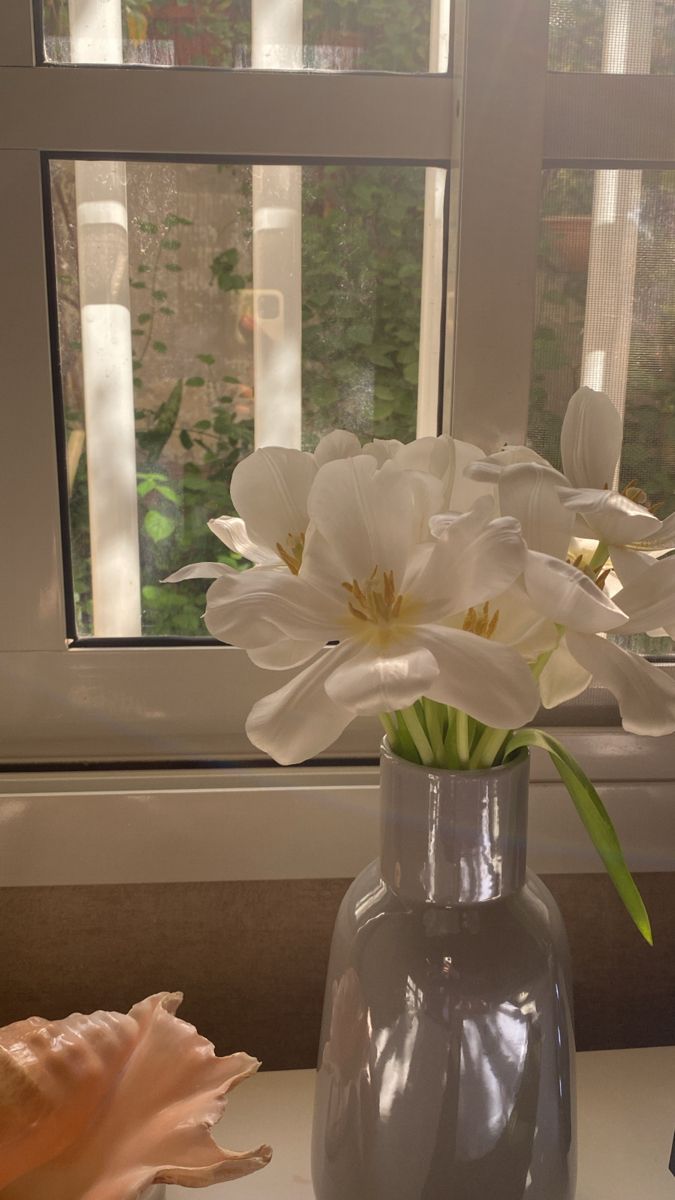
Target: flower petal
{"points": [[368, 518], [569, 597], [252, 608], [301, 720], [509, 456], [465, 490], [432, 454], [269, 490], [337, 444], [649, 600], [471, 562], [489, 681], [562, 678], [664, 539], [519, 624], [646, 695], [613, 518], [382, 449], [372, 682], [203, 570], [233, 532], [282, 655], [529, 492], [591, 439], [629, 565]]}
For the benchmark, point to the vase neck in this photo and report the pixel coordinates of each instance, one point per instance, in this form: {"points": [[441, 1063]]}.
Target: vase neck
{"points": [[453, 837]]}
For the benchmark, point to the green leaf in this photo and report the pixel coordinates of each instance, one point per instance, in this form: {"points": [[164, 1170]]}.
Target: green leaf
{"points": [[206, 358], [158, 294], [157, 525], [202, 424], [594, 816], [142, 268], [172, 267], [185, 439], [194, 381], [135, 283], [172, 219], [147, 227], [167, 312], [143, 318], [168, 493], [170, 244], [160, 347]]}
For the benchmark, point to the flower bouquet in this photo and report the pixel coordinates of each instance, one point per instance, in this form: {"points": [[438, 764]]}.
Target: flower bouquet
{"points": [[451, 593]]}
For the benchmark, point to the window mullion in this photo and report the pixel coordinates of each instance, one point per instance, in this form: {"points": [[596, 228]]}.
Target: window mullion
{"points": [[609, 120], [258, 115], [500, 79], [17, 43], [32, 603]]}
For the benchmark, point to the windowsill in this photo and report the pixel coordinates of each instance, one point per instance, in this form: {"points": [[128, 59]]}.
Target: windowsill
{"points": [[624, 1119]]}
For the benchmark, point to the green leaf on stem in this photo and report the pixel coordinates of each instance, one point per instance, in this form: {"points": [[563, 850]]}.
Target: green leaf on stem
{"points": [[594, 816]]}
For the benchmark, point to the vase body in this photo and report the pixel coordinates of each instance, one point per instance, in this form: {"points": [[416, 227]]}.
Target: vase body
{"points": [[446, 1068]]}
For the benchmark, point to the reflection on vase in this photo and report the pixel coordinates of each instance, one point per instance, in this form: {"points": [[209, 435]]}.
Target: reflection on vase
{"points": [[446, 1067]]}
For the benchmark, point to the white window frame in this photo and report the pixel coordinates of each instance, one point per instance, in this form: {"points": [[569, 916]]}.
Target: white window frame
{"points": [[121, 704]]}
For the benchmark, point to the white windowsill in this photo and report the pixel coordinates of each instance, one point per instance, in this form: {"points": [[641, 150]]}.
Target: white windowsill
{"points": [[625, 1121]]}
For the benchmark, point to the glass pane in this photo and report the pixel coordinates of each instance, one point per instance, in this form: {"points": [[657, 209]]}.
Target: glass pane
{"points": [[334, 35], [194, 319], [605, 317], [634, 37]]}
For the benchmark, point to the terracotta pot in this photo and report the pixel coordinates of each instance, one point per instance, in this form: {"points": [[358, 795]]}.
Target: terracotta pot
{"points": [[569, 241]]}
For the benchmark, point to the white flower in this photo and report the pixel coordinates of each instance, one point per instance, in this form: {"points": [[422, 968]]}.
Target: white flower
{"points": [[372, 581], [590, 446], [269, 490], [646, 694]]}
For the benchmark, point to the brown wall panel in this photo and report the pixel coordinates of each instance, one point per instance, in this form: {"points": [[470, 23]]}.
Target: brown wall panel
{"points": [[251, 958]]}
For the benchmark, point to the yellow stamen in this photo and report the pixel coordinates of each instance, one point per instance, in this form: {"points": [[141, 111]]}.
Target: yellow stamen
{"points": [[481, 623], [292, 553], [377, 601]]}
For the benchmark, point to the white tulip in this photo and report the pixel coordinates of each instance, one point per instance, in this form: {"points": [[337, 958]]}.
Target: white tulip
{"points": [[590, 446], [269, 490], [372, 581]]}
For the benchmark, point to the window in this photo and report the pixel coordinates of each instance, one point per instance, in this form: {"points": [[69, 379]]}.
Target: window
{"points": [[109, 163]]}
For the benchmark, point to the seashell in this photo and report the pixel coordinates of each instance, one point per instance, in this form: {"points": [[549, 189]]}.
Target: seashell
{"points": [[103, 1106]]}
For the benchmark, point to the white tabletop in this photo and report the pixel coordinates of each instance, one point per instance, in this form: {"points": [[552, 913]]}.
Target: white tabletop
{"points": [[626, 1119]]}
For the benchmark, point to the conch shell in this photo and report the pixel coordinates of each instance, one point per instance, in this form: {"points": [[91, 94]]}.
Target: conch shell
{"points": [[100, 1107]]}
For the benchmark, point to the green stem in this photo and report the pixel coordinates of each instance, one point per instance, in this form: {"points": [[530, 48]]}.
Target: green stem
{"points": [[389, 726], [488, 747], [432, 713], [419, 737], [450, 755], [462, 738], [407, 746], [600, 557]]}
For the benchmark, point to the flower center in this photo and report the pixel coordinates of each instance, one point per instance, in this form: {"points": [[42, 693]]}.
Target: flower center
{"points": [[638, 495], [479, 621], [291, 553], [583, 563], [376, 600]]}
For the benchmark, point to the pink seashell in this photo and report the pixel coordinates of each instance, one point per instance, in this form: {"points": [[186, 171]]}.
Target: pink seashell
{"points": [[100, 1107]]}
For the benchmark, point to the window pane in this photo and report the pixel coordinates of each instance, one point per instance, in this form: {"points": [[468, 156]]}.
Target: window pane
{"points": [[335, 35], [193, 319], [605, 317], [622, 36]]}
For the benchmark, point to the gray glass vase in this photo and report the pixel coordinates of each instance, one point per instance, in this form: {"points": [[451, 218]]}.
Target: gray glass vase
{"points": [[446, 1068]]}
